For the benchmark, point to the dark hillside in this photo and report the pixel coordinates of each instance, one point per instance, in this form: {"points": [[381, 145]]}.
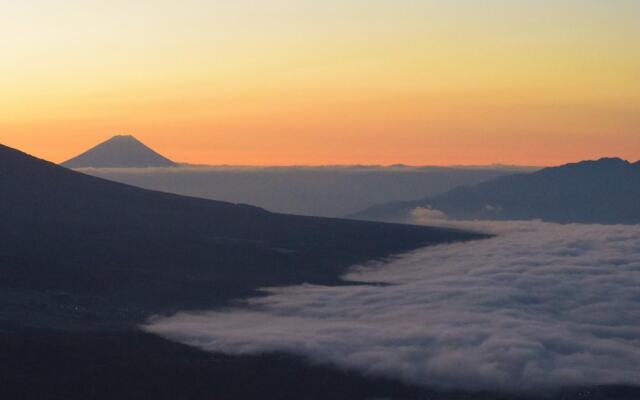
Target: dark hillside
{"points": [[96, 244]]}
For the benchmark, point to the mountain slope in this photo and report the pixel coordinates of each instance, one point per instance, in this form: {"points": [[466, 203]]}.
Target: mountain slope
{"points": [[82, 246], [603, 191], [123, 151]]}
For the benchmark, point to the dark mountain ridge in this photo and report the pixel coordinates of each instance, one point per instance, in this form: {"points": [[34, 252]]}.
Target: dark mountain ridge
{"points": [[72, 236], [603, 191], [122, 151]]}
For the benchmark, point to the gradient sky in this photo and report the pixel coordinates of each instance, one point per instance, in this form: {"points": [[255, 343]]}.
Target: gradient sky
{"points": [[325, 82]]}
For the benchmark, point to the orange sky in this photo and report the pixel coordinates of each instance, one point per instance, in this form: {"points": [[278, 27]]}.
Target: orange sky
{"points": [[333, 82]]}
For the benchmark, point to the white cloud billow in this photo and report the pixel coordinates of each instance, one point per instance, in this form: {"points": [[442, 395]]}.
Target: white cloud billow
{"points": [[541, 305]]}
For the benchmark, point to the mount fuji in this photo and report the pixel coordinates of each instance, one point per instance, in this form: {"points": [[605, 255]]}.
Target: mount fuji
{"points": [[122, 151]]}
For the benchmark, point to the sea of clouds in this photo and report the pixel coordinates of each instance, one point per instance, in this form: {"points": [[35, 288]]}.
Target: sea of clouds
{"points": [[330, 191], [538, 306]]}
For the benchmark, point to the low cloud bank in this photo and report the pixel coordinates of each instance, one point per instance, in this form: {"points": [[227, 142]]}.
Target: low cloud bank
{"points": [[539, 306], [321, 191]]}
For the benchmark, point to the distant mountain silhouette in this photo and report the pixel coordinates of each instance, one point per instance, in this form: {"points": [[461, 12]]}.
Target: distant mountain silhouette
{"points": [[604, 191], [123, 151], [116, 251]]}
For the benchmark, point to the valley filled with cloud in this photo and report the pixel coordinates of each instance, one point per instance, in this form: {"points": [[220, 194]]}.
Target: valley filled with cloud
{"points": [[539, 306]]}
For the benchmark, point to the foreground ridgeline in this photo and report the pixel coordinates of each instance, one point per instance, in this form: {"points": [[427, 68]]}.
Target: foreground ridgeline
{"points": [[123, 151], [77, 245], [606, 191]]}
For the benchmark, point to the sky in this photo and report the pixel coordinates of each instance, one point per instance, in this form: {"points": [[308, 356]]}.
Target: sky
{"points": [[286, 82]]}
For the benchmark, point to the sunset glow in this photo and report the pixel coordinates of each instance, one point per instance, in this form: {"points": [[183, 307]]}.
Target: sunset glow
{"points": [[325, 82]]}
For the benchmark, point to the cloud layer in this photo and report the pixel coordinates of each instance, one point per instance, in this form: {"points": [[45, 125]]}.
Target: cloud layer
{"points": [[324, 191], [541, 305]]}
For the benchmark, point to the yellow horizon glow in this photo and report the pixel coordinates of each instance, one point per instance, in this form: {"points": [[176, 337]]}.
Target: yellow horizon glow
{"points": [[286, 82]]}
